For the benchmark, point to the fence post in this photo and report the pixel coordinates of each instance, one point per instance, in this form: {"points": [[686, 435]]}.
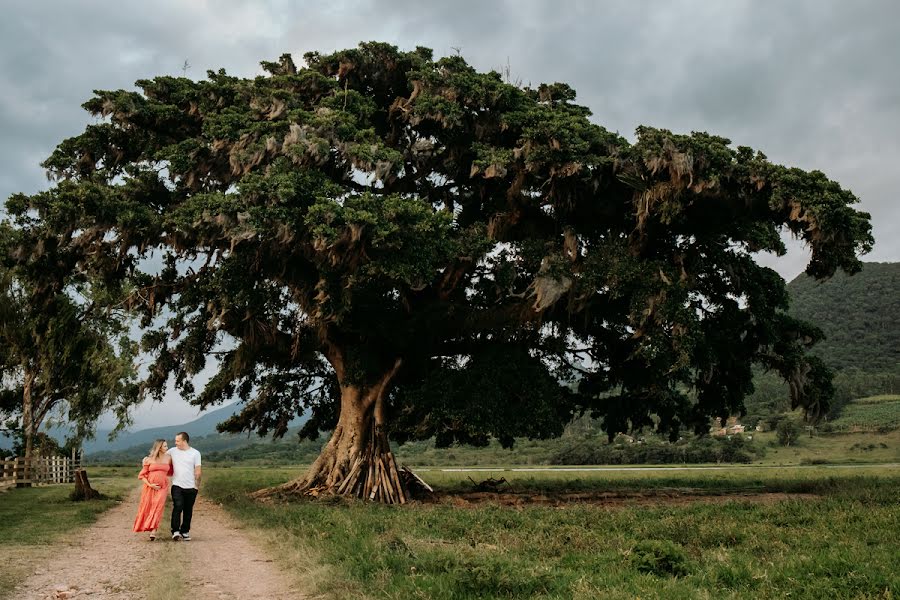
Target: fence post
{"points": [[38, 468], [7, 473], [22, 472]]}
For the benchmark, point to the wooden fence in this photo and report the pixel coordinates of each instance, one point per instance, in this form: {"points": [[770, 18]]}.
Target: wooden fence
{"points": [[44, 470]]}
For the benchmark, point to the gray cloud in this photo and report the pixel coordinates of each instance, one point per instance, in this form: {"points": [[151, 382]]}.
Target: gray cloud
{"points": [[811, 84]]}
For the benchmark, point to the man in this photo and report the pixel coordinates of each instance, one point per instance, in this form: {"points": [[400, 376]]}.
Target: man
{"points": [[185, 483]]}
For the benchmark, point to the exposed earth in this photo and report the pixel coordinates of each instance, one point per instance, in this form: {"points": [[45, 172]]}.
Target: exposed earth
{"points": [[108, 561]]}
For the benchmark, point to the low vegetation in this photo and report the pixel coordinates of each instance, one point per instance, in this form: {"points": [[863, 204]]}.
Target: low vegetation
{"points": [[824, 535], [875, 413]]}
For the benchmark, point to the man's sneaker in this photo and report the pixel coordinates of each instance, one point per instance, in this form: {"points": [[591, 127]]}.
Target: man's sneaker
{"points": [[186, 536], [176, 536]]}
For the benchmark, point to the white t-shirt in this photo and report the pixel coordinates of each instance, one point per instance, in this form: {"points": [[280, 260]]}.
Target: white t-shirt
{"points": [[183, 462]]}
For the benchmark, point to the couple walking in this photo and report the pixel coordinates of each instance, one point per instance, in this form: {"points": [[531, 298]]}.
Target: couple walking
{"points": [[182, 463]]}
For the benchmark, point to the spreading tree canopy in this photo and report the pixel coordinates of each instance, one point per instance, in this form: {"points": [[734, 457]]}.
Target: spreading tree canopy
{"points": [[63, 351], [406, 246]]}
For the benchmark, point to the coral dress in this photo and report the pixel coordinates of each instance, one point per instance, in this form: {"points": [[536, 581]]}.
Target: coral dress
{"points": [[152, 501]]}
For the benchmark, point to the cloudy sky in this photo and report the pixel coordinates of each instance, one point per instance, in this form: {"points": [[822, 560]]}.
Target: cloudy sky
{"points": [[812, 84]]}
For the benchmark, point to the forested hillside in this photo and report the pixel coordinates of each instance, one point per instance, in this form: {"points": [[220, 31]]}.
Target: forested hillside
{"points": [[859, 314]]}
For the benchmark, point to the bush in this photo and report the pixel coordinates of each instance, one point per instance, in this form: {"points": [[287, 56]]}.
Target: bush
{"points": [[591, 451], [787, 432], [659, 557]]}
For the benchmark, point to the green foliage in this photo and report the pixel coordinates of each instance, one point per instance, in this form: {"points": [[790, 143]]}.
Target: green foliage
{"points": [[64, 352], [379, 211], [787, 432], [659, 557], [859, 315], [655, 452], [44, 445]]}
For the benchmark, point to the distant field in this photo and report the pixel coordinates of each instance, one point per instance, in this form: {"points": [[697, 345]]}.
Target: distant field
{"points": [[875, 413], [758, 532], [878, 399], [832, 448]]}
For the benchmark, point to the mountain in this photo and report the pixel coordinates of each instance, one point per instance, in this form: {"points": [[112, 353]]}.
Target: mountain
{"points": [[860, 315], [202, 426], [229, 447]]}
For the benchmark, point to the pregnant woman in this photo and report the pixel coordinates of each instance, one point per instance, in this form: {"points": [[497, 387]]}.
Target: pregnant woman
{"points": [[157, 467]]}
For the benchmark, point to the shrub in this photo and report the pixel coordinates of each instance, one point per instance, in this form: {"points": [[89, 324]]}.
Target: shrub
{"points": [[659, 557], [787, 432], [592, 451]]}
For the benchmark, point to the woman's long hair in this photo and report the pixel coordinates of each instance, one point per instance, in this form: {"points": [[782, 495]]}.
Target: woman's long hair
{"points": [[156, 450]]}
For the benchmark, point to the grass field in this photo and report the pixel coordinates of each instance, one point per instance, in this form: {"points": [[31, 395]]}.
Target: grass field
{"points": [[875, 413], [34, 518], [838, 540], [782, 528], [879, 399], [835, 448]]}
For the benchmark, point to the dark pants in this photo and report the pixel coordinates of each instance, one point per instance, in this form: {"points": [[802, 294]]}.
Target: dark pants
{"points": [[182, 508]]}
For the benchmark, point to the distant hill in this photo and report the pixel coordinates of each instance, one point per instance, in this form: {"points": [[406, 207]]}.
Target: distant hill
{"points": [[228, 447], [860, 315], [201, 429], [136, 443], [202, 426]]}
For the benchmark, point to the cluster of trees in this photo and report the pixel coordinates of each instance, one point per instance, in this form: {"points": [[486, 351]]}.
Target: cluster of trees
{"points": [[404, 246], [42, 444], [64, 349], [655, 452]]}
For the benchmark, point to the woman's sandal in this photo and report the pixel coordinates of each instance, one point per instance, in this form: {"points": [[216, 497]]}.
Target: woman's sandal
{"points": [[152, 536]]}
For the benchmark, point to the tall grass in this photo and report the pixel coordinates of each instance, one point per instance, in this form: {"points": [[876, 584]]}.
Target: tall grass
{"points": [[839, 543]]}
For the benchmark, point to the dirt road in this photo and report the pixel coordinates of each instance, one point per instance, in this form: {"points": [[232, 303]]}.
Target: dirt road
{"points": [[108, 561]]}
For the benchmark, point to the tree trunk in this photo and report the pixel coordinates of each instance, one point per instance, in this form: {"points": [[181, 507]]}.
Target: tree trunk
{"points": [[357, 461], [83, 489], [28, 428]]}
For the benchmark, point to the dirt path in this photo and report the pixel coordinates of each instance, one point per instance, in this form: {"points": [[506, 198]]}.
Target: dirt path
{"points": [[107, 561]]}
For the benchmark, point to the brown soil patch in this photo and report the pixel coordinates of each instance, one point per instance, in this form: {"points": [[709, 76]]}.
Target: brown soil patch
{"points": [[107, 561], [612, 499]]}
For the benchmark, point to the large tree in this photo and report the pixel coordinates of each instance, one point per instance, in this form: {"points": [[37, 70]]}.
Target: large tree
{"points": [[406, 246], [63, 351]]}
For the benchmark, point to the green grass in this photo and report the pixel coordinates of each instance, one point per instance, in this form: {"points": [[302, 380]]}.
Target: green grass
{"points": [[31, 519], [834, 448], [878, 399], [878, 413], [842, 543]]}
